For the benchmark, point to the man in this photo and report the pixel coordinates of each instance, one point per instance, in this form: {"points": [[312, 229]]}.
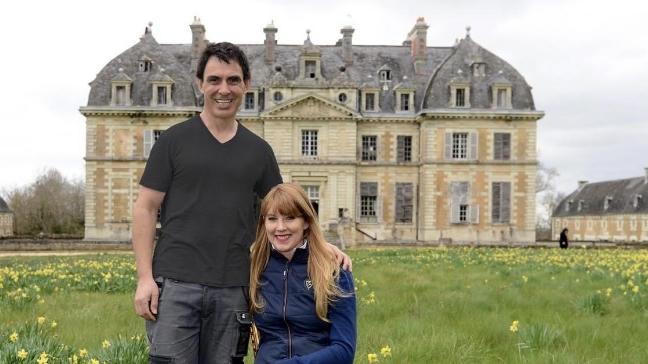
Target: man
{"points": [[205, 173]]}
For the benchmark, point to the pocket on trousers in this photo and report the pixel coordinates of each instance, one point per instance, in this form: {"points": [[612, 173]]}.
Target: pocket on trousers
{"points": [[244, 322], [157, 359]]}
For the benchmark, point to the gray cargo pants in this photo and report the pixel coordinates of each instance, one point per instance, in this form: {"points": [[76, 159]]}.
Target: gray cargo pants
{"points": [[198, 324]]}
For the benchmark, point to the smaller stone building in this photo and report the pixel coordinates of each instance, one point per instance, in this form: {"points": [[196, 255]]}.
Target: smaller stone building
{"points": [[6, 219], [605, 211]]}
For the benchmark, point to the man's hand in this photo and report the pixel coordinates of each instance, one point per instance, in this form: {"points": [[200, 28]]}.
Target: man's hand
{"points": [[341, 258], [146, 298]]}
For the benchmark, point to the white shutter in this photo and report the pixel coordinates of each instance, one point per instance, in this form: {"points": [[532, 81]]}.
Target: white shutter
{"points": [[448, 146], [474, 214], [148, 142], [473, 146]]}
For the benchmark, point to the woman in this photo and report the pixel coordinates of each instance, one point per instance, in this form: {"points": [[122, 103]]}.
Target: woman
{"points": [[564, 241], [303, 303]]}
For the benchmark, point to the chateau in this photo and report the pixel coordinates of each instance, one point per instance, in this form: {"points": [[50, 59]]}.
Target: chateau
{"points": [[401, 143], [6, 219], [605, 211]]}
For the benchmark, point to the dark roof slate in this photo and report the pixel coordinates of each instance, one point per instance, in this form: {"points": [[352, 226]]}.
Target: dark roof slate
{"points": [[440, 67], [593, 195], [3, 206]]}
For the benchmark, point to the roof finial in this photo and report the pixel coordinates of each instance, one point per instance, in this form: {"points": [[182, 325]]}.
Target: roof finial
{"points": [[308, 34], [148, 28], [468, 31]]}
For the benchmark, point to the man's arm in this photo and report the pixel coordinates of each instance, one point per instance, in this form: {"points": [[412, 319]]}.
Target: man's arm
{"points": [[144, 220]]}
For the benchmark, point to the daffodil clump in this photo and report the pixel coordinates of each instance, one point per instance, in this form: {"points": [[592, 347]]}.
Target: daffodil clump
{"points": [[37, 342]]}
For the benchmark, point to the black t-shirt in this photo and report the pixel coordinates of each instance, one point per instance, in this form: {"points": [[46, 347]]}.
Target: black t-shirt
{"points": [[208, 210]]}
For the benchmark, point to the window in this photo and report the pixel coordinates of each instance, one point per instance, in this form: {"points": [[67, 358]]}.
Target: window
{"points": [[120, 95], [404, 102], [161, 95], [277, 96], [309, 143], [368, 201], [369, 147], [501, 97], [501, 202], [461, 210], [607, 202], [404, 206], [568, 205], [479, 69], [310, 69], [581, 205], [404, 148], [637, 200], [313, 196], [385, 75], [460, 97], [370, 101], [342, 97], [502, 146], [249, 101], [150, 137], [461, 146], [145, 65]]}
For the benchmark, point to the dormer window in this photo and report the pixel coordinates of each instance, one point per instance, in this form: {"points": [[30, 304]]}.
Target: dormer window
{"points": [[310, 67], [369, 100], [637, 200], [405, 102], [479, 69], [568, 205], [161, 95], [384, 75], [502, 96], [145, 64], [459, 95], [342, 97], [121, 89], [249, 103], [607, 202], [581, 205]]}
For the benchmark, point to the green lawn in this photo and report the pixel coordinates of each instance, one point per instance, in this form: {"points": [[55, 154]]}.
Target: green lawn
{"points": [[434, 305]]}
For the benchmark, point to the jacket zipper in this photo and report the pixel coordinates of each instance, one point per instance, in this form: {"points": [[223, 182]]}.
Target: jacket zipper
{"points": [[285, 304]]}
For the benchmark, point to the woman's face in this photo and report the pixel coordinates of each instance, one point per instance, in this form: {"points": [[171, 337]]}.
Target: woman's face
{"points": [[285, 233]]}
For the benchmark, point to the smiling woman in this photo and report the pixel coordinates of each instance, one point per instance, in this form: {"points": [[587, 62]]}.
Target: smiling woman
{"points": [[303, 303]]}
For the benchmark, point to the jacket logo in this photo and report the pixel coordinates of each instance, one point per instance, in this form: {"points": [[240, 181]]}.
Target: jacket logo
{"points": [[308, 284]]}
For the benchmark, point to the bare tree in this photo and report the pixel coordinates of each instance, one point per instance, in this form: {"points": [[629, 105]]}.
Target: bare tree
{"points": [[50, 205]]}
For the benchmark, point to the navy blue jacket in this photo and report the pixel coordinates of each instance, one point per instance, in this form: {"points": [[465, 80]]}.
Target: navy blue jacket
{"points": [[290, 330]]}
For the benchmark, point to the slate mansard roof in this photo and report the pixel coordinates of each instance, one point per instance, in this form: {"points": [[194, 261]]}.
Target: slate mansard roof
{"points": [[624, 196], [3, 206], [431, 84]]}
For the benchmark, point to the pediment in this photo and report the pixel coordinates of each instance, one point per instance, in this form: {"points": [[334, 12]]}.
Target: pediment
{"points": [[311, 107]]}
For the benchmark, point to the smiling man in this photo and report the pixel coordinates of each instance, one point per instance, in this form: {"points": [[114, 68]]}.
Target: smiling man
{"points": [[205, 173]]}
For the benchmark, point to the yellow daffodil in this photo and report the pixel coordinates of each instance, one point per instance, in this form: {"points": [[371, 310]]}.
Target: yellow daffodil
{"points": [[372, 358], [22, 354], [385, 351], [514, 326], [40, 320], [94, 361], [13, 337], [54, 324], [83, 353], [43, 358], [105, 344]]}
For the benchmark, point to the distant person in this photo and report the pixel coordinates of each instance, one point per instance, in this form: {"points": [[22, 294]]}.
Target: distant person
{"points": [[564, 241], [205, 173], [302, 302]]}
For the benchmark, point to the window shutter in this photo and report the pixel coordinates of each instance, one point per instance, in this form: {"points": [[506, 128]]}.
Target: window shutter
{"points": [[473, 146], [448, 146], [400, 148], [497, 146], [474, 214], [506, 146], [148, 142], [455, 201], [496, 201], [506, 202]]}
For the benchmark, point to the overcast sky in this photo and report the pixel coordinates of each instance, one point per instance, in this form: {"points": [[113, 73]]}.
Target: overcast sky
{"points": [[587, 62]]}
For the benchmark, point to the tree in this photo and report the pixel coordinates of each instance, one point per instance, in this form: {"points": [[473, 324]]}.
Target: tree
{"points": [[547, 198], [51, 205]]}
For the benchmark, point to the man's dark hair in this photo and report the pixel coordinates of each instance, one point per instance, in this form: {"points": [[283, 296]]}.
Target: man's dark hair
{"points": [[225, 52]]}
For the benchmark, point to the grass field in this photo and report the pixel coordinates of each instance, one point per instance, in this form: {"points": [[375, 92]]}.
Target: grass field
{"points": [[436, 305]]}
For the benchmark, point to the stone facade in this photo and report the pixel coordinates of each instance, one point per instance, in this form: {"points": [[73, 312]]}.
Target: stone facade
{"points": [[6, 220], [613, 211], [392, 143]]}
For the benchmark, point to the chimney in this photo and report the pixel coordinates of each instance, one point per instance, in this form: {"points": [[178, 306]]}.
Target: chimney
{"points": [[270, 42], [347, 44], [197, 42], [417, 38], [581, 184]]}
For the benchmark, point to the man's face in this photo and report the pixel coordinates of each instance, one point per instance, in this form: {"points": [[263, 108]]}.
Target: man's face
{"points": [[223, 87]]}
